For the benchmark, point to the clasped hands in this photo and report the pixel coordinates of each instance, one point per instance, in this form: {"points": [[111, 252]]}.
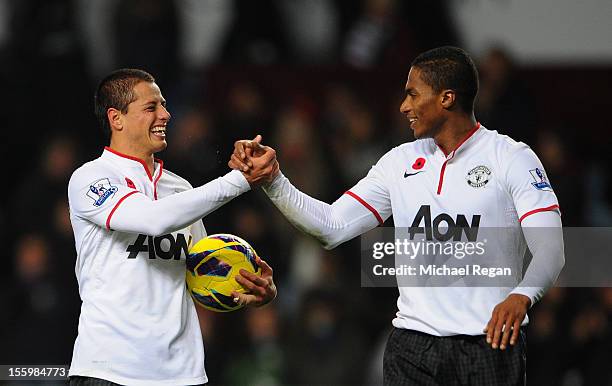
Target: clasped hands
{"points": [[257, 162]]}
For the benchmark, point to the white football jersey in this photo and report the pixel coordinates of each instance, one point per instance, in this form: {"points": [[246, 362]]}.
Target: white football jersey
{"points": [[489, 179], [138, 324]]}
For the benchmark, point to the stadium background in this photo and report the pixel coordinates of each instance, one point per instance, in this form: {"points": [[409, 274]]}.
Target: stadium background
{"points": [[321, 80]]}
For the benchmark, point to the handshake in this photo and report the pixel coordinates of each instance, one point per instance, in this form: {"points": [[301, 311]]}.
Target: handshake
{"points": [[257, 163]]}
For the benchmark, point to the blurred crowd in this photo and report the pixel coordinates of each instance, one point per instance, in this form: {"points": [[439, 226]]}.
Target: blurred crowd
{"points": [[321, 80]]}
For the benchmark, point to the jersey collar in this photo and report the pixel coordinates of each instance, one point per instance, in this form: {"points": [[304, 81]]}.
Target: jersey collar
{"points": [[461, 145], [134, 162]]}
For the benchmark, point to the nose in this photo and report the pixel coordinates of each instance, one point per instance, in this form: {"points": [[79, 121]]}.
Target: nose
{"points": [[164, 114], [404, 107]]}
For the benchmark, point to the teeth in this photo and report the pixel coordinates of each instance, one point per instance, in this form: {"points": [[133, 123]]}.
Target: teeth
{"points": [[158, 129]]}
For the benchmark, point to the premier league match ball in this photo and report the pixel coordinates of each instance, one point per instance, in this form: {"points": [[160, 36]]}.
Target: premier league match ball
{"points": [[212, 266]]}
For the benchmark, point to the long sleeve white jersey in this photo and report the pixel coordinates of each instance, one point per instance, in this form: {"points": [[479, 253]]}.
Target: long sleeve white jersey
{"points": [[489, 180], [138, 324]]}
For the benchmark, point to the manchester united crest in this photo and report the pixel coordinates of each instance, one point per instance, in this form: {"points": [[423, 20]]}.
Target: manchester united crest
{"points": [[478, 177]]}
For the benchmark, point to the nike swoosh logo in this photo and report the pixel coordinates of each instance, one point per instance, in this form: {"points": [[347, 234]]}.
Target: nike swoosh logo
{"points": [[412, 174]]}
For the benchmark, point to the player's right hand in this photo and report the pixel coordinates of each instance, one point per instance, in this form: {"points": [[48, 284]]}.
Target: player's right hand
{"points": [[256, 162], [244, 150], [261, 290]]}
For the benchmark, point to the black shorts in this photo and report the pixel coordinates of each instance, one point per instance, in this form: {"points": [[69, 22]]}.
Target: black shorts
{"points": [[416, 358], [89, 381]]}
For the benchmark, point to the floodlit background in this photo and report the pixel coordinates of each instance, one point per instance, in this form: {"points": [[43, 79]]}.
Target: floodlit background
{"points": [[322, 81]]}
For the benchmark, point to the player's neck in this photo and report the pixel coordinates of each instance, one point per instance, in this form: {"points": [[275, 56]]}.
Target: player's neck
{"points": [[127, 149], [454, 131]]}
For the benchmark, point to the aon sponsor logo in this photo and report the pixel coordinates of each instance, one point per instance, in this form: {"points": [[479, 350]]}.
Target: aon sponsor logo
{"points": [[165, 247], [444, 227]]}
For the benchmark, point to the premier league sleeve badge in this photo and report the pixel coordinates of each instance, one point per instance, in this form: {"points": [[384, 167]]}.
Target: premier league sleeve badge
{"points": [[540, 180], [100, 190]]}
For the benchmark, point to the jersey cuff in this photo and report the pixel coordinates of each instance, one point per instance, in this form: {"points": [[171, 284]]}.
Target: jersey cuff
{"points": [[554, 208], [368, 206], [110, 215], [530, 292], [236, 178]]}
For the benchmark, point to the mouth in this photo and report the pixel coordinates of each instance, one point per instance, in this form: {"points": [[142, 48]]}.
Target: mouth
{"points": [[159, 131], [412, 121]]}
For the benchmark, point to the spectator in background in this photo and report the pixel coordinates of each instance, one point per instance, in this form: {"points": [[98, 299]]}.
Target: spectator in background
{"points": [[204, 26], [261, 358], [44, 41], [36, 305], [598, 191], [369, 36], [41, 189], [257, 35], [147, 36], [571, 338], [312, 28], [350, 127], [590, 339], [338, 102], [503, 101], [386, 32], [96, 29], [4, 23], [297, 136], [244, 110], [43, 293], [547, 350], [360, 147], [567, 172], [326, 347]]}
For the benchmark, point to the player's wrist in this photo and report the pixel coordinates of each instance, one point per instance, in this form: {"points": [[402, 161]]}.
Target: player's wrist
{"points": [[523, 299], [274, 183], [239, 179]]}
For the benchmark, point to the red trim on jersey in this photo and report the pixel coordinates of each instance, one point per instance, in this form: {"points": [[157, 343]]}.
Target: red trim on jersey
{"points": [[548, 208], [469, 134], [368, 206], [445, 153], [116, 206], [441, 176], [161, 169], [143, 163]]}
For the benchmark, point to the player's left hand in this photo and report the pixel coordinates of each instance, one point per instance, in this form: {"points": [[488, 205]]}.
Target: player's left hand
{"points": [[506, 319], [257, 162], [260, 289]]}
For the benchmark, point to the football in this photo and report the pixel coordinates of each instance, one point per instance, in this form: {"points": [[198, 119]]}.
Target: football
{"points": [[212, 265]]}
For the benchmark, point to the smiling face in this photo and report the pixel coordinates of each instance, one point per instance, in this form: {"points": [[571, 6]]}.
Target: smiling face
{"points": [[423, 106], [142, 128]]}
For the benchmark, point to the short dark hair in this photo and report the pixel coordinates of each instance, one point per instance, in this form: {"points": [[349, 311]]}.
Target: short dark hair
{"points": [[450, 68], [116, 91]]}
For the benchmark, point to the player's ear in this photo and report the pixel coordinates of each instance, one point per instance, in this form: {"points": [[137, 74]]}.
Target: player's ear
{"points": [[448, 98], [114, 119]]}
